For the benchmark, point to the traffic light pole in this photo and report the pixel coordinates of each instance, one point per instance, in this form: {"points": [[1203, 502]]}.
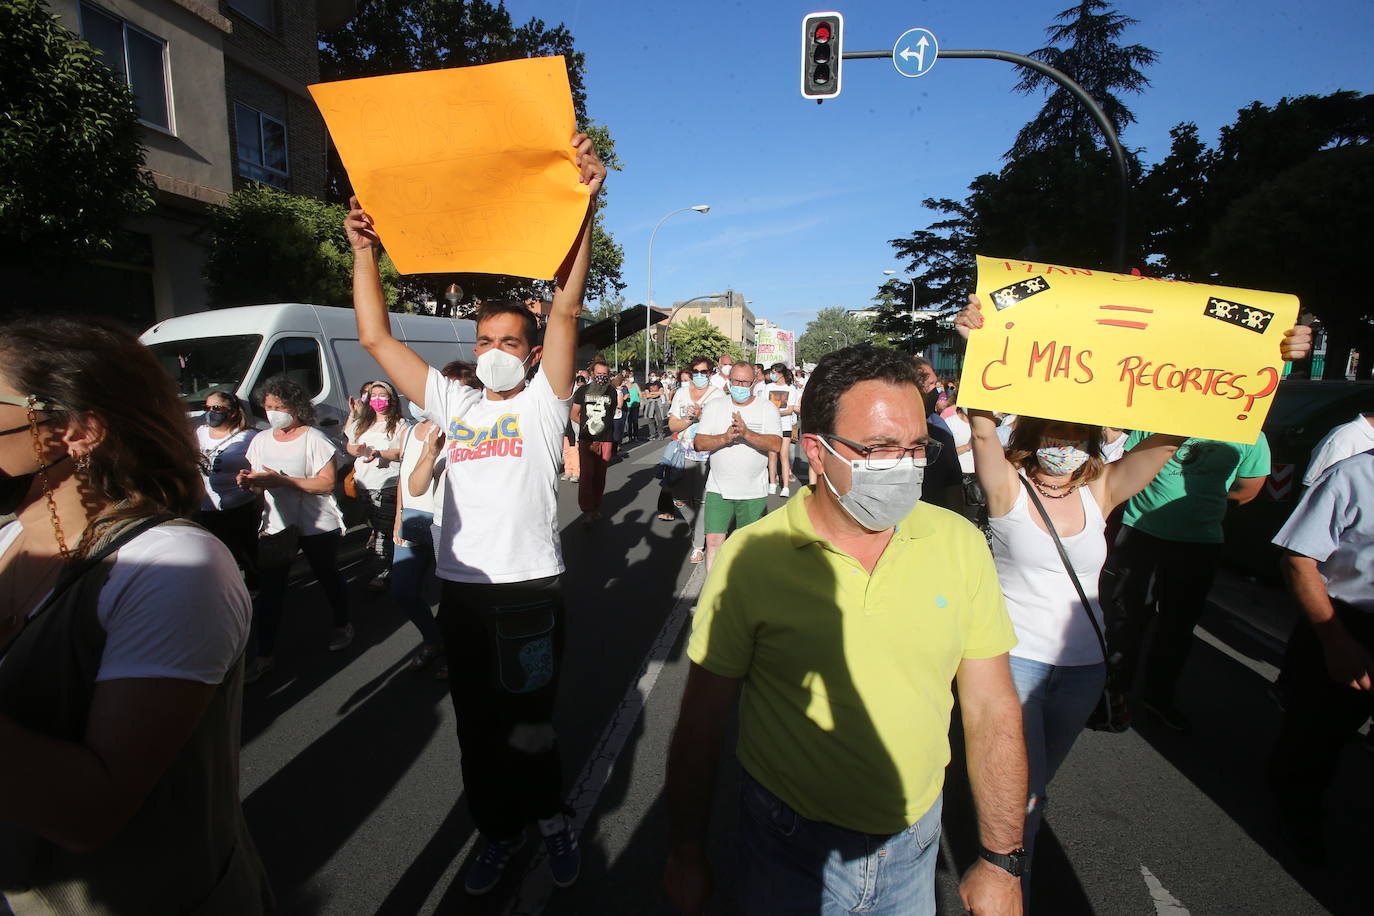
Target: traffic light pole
{"points": [[1063, 79]]}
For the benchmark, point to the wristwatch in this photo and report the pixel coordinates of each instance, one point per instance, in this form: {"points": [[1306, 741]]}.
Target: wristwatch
{"points": [[1014, 862]]}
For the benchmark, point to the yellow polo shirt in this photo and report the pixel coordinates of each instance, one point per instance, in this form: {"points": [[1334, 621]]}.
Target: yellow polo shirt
{"points": [[845, 706]]}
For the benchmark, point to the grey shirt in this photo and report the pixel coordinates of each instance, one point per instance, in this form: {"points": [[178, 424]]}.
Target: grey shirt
{"points": [[1330, 526]]}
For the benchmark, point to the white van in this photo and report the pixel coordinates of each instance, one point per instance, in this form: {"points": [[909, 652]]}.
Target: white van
{"points": [[317, 346]]}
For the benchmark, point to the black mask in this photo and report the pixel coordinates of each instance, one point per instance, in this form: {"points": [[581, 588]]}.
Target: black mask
{"points": [[14, 489], [929, 398], [215, 419]]}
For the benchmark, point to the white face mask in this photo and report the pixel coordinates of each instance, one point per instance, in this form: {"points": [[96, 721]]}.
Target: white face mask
{"points": [[279, 419], [877, 500], [501, 371]]}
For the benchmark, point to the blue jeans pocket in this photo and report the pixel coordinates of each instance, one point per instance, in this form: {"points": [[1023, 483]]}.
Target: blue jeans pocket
{"points": [[927, 827], [522, 638], [767, 809]]}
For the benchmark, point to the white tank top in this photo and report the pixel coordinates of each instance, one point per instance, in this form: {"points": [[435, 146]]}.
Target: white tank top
{"points": [[1044, 606]]}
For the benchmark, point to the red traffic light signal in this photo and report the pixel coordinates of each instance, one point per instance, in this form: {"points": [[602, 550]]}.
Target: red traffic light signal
{"points": [[821, 57]]}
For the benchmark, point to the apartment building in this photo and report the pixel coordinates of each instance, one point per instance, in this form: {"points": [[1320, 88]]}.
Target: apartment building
{"points": [[729, 313], [221, 92]]}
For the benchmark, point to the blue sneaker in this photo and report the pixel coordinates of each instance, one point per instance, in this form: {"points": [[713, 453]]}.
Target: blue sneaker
{"points": [[560, 844], [486, 869]]}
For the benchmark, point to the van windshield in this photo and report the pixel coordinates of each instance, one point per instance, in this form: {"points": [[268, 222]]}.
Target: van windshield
{"points": [[207, 364]]}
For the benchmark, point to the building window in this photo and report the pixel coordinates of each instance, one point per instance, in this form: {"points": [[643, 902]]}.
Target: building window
{"points": [[138, 57], [258, 11], [261, 146]]}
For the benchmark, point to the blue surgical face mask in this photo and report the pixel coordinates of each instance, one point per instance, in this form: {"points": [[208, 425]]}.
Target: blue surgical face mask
{"points": [[741, 393], [700, 379], [416, 411]]}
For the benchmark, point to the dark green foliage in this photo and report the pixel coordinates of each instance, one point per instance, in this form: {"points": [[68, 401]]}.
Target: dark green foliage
{"points": [[71, 159], [832, 329], [1083, 46], [270, 246]]}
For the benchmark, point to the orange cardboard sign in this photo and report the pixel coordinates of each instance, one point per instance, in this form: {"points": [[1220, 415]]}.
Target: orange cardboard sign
{"points": [[469, 169]]}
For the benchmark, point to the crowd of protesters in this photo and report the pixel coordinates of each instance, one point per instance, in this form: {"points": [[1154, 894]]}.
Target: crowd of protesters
{"points": [[935, 552]]}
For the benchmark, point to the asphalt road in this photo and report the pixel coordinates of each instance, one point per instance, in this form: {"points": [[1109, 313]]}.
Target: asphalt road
{"points": [[352, 789]]}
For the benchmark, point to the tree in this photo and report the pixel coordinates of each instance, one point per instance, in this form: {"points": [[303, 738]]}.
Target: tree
{"points": [[402, 36], [1094, 60], [698, 337], [832, 329], [1301, 232], [71, 156], [270, 246]]}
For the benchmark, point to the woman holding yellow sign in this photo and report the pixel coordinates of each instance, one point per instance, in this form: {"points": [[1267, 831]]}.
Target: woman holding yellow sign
{"points": [[1048, 496]]}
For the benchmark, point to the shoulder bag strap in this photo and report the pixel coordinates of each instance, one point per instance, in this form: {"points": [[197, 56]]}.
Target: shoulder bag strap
{"points": [[1068, 566], [74, 574]]}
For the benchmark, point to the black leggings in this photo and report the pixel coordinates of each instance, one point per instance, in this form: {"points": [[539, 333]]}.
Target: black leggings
{"points": [[322, 553]]}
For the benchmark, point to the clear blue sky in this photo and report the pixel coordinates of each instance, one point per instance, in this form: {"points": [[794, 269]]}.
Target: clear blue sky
{"points": [[702, 99]]}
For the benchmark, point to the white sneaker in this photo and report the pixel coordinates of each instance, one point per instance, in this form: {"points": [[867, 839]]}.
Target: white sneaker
{"points": [[773, 488], [785, 491], [341, 638]]}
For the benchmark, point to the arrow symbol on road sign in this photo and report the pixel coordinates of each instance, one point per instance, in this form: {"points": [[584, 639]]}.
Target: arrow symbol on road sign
{"points": [[920, 54]]}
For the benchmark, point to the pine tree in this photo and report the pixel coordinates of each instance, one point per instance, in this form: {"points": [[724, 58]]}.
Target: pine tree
{"points": [[1084, 46]]}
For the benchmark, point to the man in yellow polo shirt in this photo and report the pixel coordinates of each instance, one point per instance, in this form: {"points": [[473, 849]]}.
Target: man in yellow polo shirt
{"points": [[838, 624]]}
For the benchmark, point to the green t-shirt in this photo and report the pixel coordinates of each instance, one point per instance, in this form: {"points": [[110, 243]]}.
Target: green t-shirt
{"points": [[845, 705], [1187, 499]]}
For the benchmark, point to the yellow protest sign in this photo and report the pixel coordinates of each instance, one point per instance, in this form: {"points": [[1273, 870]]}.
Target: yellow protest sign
{"points": [[468, 169], [1129, 351]]}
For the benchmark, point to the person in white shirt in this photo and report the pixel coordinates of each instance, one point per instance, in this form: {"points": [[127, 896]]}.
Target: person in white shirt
{"points": [[1328, 562], [376, 430], [1342, 442], [786, 397], [293, 468], [693, 393], [739, 433], [721, 379], [228, 512], [499, 556]]}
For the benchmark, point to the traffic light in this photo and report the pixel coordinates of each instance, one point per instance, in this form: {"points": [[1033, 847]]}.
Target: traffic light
{"points": [[820, 74]]}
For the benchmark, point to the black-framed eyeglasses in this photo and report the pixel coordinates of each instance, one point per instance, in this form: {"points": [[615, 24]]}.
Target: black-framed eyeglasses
{"points": [[217, 408], [30, 402], [886, 457]]}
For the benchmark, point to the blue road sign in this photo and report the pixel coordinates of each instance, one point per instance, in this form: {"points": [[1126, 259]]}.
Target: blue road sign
{"points": [[914, 53]]}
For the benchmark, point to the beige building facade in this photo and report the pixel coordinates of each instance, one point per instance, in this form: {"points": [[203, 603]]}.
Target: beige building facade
{"points": [[221, 93], [730, 314]]}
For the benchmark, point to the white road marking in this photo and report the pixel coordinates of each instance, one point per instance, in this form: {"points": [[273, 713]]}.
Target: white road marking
{"points": [[537, 883], [1262, 668], [1165, 902]]}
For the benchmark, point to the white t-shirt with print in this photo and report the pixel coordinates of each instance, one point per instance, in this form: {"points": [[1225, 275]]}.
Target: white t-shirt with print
{"points": [[739, 471], [173, 606], [379, 473], [783, 395], [500, 508], [304, 456], [226, 458]]}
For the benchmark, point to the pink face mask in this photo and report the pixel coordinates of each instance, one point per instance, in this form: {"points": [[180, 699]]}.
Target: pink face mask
{"points": [[380, 404]]}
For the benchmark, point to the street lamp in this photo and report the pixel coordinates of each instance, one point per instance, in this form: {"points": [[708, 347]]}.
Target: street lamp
{"points": [[890, 273], [678, 308], [648, 345]]}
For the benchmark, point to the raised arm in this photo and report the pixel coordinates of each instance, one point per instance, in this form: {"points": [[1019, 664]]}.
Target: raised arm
{"points": [[401, 364], [560, 333], [1133, 473]]}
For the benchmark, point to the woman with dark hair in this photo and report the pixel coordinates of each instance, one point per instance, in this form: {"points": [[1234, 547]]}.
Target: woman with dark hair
{"points": [[227, 511], [376, 432], [695, 392], [786, 396], [293, 467], [122, 634]]}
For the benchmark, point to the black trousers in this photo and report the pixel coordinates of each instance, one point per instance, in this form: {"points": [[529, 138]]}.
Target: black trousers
{"points": [[504, 644], [1177, 575], [322, 553], [1319, 718], [237, 529]]}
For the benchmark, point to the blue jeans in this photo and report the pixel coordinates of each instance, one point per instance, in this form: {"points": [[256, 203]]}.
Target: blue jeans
{"points": [[408, 568], [788, 864], [1056, 701]]}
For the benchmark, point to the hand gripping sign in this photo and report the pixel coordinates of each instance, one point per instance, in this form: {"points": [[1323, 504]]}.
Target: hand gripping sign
{"points": [[469, 169], [1127, 351]]}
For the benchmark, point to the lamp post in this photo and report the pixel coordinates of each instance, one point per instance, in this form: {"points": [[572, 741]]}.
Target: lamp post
{"points": [[682, 305], [648, 345]]}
